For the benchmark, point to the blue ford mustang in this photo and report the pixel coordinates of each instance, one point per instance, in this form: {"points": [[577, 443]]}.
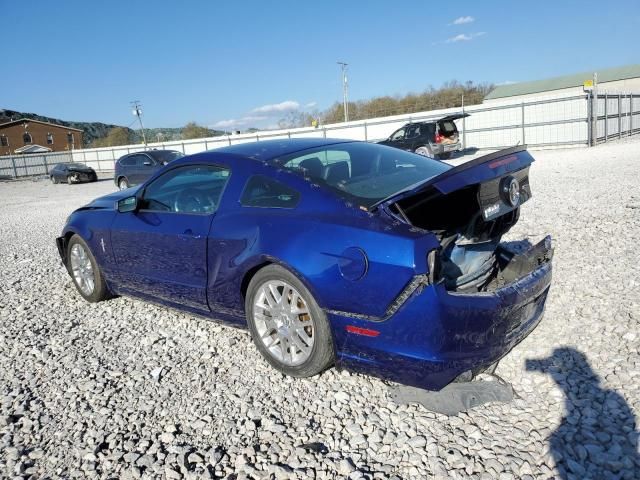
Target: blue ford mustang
{"points": [[331, 252]]}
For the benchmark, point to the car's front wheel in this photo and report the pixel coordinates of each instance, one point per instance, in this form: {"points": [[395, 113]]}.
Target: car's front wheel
{"points": [[85, 271], [445, 156], [123, 183], [288, 327]]}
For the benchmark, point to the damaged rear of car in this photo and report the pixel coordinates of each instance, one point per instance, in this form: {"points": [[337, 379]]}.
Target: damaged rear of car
{"points": [[478, 296]]}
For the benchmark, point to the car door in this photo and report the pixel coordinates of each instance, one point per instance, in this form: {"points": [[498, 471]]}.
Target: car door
{"points": [[140, 169], [397, 138], [160, 249], [412, 137], [147, 166]]}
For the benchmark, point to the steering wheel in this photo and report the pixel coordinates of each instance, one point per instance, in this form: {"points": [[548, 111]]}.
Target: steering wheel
{"points": [[193, 201]]}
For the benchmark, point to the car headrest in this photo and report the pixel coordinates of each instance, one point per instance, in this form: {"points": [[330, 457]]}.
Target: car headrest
{"points": [[336, 172], [312, 166]]}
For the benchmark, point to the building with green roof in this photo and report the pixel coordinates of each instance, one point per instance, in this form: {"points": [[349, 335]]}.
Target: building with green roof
{"points": [[611, 80]]}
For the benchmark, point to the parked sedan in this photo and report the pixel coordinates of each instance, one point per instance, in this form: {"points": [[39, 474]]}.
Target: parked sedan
{"points": [[135, 168], [330, 252], [436, 138], [72, 173]]}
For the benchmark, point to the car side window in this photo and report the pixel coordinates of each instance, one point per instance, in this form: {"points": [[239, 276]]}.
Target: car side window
{"points": [[265, 192], [128, 161], [413, 131], [398, 135], [188, 189], [144, 160]]}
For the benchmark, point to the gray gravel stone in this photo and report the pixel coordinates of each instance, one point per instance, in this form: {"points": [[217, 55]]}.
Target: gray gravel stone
{"points": [[133, 390]]}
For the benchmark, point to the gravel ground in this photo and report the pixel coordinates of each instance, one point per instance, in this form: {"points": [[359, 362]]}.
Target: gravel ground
{"points": [[127, 389]]}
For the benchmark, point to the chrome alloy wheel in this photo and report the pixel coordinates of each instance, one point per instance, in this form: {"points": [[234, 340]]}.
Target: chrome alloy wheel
{"points": [[283, 322], [82, 269]]}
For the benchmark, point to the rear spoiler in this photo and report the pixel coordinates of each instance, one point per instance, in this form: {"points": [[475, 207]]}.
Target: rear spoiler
{"points": [[475, 171]]}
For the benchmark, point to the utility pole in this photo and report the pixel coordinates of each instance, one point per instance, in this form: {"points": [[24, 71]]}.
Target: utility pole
{"points": [[345, 89], [137, 111]]}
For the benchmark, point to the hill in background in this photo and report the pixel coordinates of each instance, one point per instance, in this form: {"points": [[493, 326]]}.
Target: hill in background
{"points": [[105, 134], [92, 130]]}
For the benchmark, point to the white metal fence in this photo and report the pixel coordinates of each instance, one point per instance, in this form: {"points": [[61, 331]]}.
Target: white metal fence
{"points": [[550, 122]]}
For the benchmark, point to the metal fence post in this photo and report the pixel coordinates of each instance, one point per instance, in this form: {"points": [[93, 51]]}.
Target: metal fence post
{"points": [[589, 122], [630, 113], [464, 131], [606, 118], [46, 167], [619, 116], [13, 163], [522, 115], [631, 118]]}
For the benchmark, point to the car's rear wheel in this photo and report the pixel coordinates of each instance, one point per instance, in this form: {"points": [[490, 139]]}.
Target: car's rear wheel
{"points": [[288, 327], [85, 271], [123, 183], [54, 180], [424, 151]]}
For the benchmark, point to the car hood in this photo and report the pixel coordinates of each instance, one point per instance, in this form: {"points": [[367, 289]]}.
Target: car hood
{"points": [[478, 170], [80, 169], [109, 201]]}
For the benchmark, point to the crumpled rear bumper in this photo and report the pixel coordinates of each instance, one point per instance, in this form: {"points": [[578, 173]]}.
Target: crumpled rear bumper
{"points": [[437, 335]]}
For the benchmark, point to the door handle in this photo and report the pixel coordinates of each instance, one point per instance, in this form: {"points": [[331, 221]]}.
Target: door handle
{"points": [[188, 233]]}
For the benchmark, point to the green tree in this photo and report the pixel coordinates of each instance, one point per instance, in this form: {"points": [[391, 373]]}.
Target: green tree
{"points": [[447, 96], [116, 137], [193, 130]]}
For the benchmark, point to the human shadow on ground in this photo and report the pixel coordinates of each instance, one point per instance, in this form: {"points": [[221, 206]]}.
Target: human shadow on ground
{"points": [[597, 438]]}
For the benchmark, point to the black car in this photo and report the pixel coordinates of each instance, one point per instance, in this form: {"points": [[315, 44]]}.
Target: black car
{"points": [[135, 168], [72, 173], [433, 138]]}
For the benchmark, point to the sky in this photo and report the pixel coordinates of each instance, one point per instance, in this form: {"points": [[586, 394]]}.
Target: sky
{"points": [[235, 65]]}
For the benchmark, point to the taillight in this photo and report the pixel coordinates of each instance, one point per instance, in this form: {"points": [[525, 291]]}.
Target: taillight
{"points": [[439, 138]]}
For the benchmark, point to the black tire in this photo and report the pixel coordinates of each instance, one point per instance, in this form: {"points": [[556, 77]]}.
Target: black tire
{"points": [[444, 156], [54, 180], [100, 291], [123, 183], [322, 353], [69, 179]]}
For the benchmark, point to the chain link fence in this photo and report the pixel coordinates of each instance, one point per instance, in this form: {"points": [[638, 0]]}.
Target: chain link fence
{"points": [[578, 120]]}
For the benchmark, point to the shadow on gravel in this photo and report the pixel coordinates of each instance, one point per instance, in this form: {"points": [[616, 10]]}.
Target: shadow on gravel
{"points": [[597, 438]]}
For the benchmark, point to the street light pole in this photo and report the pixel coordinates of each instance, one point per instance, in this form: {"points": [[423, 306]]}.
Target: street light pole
{"points": [[138, 113], [345, 89]]}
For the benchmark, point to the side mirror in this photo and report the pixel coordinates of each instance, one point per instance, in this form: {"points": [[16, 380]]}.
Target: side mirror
{"points": [[129, 204]]}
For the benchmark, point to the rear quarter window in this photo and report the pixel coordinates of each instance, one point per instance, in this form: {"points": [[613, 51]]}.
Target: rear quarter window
{"points": [[448, 127], [265, 192]]}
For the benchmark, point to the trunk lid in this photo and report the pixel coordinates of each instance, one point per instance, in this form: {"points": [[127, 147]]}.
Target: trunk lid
{"points": [[488, 171], [453, 116]]}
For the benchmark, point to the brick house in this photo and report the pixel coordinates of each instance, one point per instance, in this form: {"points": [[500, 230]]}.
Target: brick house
{"points": [[34, 136]]}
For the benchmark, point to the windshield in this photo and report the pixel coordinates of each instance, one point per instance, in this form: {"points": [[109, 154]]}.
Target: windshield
{"points": [[364, 172]]}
